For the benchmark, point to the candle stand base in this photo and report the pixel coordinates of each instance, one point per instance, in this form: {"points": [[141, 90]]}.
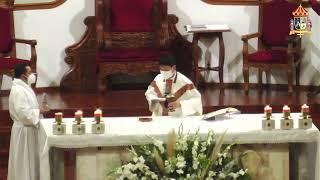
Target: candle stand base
{"points": [[305, 123], [98, 128], [286, 124], [59, 129], [268, 124], [78, 129]]}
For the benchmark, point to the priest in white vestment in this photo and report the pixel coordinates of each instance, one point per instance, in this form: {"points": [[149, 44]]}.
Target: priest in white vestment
{"points": [[171, 93], [24, 111]]}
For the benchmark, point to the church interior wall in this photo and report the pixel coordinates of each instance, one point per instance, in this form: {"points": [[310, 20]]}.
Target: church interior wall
{"points": [[57, 28]]}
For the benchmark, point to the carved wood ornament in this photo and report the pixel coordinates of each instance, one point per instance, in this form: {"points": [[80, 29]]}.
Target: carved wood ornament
{"points": [[82, 55]]}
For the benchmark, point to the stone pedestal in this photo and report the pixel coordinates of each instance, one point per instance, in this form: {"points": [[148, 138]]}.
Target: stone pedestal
{"points": [[305, 123], [268, 124], [286, 124], [59, 129], [78, 129], [98, 128]]}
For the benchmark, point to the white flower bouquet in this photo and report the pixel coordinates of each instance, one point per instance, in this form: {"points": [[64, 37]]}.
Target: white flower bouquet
{"points": [[184, 156]]}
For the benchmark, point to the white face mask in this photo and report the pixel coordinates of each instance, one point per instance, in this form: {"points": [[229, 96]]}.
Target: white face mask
{"points": [[166, 74], [31, 79]]}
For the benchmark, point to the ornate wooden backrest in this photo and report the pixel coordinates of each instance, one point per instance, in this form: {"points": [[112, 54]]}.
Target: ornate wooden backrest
{"points": [[275, 16], [6, 3], [130, 23], [6, 27]]}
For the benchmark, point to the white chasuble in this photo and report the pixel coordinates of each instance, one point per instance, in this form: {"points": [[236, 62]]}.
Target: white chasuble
{"points": [[182, 90], [24, 149]]}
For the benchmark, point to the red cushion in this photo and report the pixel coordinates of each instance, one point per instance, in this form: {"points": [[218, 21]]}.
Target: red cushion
{"points": [[129, 54], [131, 15], [269, 57], [9, 63], [315, 6], [5, 31], [276, 21]]}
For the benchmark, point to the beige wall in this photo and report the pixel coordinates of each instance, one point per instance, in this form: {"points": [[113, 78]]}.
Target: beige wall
{"points": [[57, 28]]}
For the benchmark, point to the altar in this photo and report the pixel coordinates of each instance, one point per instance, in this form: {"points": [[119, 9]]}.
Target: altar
{"points": [[94, 155]]}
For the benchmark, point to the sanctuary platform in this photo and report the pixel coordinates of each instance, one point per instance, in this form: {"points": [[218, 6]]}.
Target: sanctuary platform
{"points": [[133, 103]]}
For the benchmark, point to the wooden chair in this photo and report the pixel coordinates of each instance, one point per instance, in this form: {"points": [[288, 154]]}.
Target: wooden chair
{"points": [[276, 50], [315, 6], [131, 35], [7, 43], [124, 36]]}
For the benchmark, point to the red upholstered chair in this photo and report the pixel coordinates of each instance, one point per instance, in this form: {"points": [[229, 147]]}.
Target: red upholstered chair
{"points": [[315, 6], [7, 41], [276, 50], [131, 36], [125, 36]]}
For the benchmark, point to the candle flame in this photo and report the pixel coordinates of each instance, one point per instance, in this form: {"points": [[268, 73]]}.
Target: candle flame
{"points": [[58, 114], [98, 111]]}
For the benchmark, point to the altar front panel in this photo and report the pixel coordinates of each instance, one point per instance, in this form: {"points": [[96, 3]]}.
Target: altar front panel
{"points": [[123, 132], [95, 164]]}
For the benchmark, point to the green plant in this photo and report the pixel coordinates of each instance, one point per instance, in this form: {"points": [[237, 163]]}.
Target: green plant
{"points": [[184, 156]]}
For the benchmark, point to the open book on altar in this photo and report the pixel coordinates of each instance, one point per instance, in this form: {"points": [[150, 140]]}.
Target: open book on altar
{"points": [[220, 114]]}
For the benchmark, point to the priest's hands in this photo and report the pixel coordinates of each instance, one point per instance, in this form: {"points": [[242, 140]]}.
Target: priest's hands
{"points": [[157, 100], [174, 105], [154, 102]]}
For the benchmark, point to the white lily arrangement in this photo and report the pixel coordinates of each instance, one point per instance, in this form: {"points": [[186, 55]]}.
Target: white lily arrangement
{"points": [[185, 156]]}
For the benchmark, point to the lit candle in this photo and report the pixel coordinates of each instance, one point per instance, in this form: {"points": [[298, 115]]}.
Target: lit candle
{"points": [[78, 114], [58, 116], [286, 111], [268, 109], [97, 115], [305, 108]]}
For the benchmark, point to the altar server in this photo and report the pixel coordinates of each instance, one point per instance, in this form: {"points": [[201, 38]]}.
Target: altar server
{"points": [[171, 93], [24, 111]]}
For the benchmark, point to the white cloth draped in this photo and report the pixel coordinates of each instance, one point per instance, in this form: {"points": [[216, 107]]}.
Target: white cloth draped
{"points": [[24, 147], [125, 131]]}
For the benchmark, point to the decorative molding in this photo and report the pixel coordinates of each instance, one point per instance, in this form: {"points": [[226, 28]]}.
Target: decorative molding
{"points": [[46, 5]]}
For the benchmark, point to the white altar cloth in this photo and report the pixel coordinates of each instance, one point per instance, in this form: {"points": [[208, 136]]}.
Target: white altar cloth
{"points": [[124, 131]]}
